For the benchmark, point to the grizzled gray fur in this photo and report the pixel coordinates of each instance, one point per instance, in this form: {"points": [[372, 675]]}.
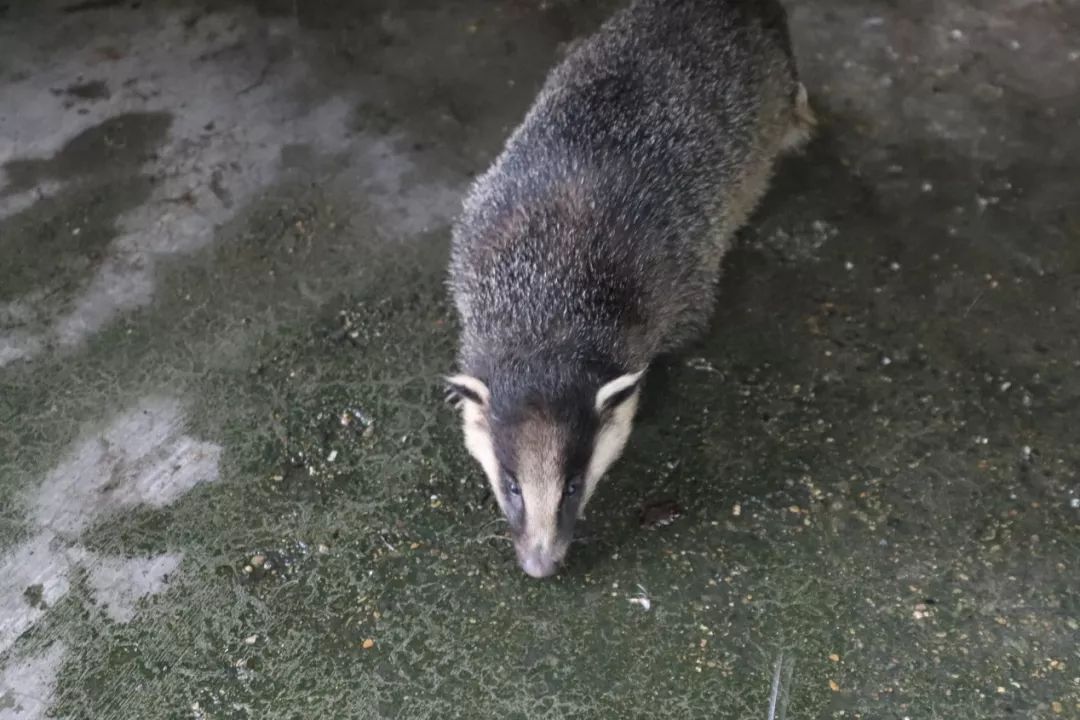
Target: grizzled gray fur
{"points": [[593, 244]]}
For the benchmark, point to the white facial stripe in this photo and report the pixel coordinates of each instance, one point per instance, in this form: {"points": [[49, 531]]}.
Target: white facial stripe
{"points": [[479, 444], [615, 386], [541, 513], [540, 463], [610, 442]]}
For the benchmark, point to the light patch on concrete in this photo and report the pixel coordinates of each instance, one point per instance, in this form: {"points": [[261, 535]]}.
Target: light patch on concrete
{"points": [[221, 81], [19, 201], [227, 132], [407, 204], [18, 346], [34, 576], [119, 583], [26, 685], [141, 457]]}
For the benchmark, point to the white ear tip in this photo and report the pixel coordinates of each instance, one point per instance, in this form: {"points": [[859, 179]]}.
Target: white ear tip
{"points": [[616, 386], [470, 385]]}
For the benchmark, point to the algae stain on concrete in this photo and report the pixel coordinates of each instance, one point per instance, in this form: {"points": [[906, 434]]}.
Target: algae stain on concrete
{"points": [[56, 244], [120, 145], [141, 457], [830, 496]]}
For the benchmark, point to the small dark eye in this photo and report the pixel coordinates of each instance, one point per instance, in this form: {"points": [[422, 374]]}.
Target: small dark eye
{"points": [[512, 486], [572, 488]]}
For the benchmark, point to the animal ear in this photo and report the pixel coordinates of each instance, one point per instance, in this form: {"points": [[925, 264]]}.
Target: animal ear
{"points": [[616, 392], [466, 388]]}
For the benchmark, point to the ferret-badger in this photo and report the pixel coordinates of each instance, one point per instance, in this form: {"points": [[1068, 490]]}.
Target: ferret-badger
{"points": [[593, 243]]}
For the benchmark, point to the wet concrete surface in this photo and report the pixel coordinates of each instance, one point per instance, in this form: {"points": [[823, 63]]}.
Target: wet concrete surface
{"points": [[229, 489]]}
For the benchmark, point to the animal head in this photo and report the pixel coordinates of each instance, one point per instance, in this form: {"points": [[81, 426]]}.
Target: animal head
{"points": [[544, 454]]}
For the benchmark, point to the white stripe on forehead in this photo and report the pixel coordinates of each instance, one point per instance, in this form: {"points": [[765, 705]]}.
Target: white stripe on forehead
{"points": [[541, 458]]}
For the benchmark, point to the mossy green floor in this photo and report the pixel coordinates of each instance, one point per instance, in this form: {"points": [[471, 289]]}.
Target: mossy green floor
{"points": [[230, 489]]}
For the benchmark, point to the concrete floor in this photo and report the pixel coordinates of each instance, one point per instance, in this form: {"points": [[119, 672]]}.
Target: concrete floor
{"points": [[228, 488]]}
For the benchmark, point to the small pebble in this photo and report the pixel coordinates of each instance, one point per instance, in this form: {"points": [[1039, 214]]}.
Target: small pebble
{"points": [[368, 644]]}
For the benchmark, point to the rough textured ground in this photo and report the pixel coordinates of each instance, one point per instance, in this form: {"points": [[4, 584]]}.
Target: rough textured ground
{"points": [[228, 488]]}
